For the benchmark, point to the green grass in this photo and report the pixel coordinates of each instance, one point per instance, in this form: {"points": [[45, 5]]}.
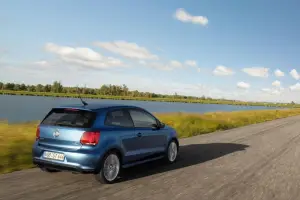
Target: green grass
{"points": [[159, 99], [16, 139], [15, 145], [188, 125]]}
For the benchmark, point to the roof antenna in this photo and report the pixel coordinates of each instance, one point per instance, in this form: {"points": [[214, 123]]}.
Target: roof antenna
{"points": [[83, 102]]}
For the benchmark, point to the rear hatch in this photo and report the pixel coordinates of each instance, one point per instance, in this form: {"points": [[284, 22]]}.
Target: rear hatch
{"points": [[63, 128]]}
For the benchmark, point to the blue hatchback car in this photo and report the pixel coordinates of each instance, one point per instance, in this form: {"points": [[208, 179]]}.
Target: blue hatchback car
{"points": [[101, 139]]}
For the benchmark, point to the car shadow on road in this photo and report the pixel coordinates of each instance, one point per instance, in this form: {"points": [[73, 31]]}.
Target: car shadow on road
{"points": [[188, 155]]}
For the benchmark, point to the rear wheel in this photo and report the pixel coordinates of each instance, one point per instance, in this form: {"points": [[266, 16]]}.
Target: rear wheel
{"points": [[109, 169]]}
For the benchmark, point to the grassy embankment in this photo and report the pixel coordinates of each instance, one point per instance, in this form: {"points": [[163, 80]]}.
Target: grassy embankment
{"points": [[16, 139], [158, 99]]}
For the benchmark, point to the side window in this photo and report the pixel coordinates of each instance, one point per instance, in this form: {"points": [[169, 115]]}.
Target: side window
{"points": [[118, 118], [142, 119]]}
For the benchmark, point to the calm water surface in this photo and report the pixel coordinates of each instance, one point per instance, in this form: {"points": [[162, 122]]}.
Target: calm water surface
{"points": [[28, 108]]}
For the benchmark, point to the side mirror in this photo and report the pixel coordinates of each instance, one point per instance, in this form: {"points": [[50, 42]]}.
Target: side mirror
{"points": [[162, 125], [155, 127]]}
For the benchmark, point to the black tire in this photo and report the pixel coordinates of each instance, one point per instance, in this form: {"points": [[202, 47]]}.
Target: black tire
{"points": [[100, 174], [167, 159]]}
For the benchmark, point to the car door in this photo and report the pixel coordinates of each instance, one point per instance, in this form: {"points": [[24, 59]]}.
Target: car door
{"points": [[152, 141], [123, 128]]}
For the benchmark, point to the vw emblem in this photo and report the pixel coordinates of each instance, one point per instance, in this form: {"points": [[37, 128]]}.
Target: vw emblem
{"points": [[56, 133]]}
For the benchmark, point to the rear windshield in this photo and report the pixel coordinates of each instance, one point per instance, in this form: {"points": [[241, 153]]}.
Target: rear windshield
{"points": [[70, 118]]}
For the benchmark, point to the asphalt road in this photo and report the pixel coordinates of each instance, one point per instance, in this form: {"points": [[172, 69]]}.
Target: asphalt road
{"points": [[259, 161]]}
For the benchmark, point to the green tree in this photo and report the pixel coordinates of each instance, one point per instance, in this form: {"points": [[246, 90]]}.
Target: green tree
{"points": [[31, 88], [9, 86], [135, 93], [17, 87], [47, 88], [23, 87], [39, 88], [104, 90], [125, 90], [57, 87]]}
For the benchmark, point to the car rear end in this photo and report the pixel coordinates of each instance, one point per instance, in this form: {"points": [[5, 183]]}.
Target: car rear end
{"points": [[67, 139]]}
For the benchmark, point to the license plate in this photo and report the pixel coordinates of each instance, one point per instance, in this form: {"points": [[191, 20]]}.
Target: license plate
{"points": [[54, 156]]}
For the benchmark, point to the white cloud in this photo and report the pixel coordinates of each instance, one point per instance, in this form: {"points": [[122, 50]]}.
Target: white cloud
{"points": [[191, 63], [257, 71], [42, 63], [127, 49], [82, 56], [276, 83], [222, 71], [278, 73], [243, 85], [274, 91], [161, 66], [185, 17], [198, 70], [294, 74], [295, 87], [173, 64]]}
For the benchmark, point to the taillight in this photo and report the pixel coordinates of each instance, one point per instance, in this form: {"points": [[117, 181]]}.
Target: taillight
{"points": [[90, 138], [37, 134]]}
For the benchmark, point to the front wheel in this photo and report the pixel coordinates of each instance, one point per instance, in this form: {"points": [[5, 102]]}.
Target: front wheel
{"points": [[109, 169], [172, 152]]}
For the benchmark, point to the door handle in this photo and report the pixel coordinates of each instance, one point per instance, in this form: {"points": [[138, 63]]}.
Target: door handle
{"points": [[139, 135]]}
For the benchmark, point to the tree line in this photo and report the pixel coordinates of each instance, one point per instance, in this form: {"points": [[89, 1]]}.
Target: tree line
{"points": [[106, 89]]}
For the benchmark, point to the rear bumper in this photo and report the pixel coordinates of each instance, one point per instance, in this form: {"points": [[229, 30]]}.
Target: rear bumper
{"points": [[62, 166], [82, 161]]}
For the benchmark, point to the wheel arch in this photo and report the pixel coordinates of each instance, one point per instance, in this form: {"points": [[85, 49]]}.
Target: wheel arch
{"points": [[174, 139], [110, 150]]}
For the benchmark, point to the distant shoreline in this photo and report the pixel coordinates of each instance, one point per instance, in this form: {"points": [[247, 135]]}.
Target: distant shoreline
{"points": [[153, 99]]}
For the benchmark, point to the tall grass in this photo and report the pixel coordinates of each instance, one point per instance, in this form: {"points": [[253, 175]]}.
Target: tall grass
{"points": [[15, 145], [16, 139], [188, 125]]}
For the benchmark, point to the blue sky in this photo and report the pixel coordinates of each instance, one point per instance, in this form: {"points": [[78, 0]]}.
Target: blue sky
{"points": [[157, 46]]}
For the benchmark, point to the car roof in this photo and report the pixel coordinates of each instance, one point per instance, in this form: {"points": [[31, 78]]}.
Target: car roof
{"points": [[97, 106]]}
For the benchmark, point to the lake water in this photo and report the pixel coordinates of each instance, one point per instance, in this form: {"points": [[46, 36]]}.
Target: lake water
{"points": [[28, 108]]}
